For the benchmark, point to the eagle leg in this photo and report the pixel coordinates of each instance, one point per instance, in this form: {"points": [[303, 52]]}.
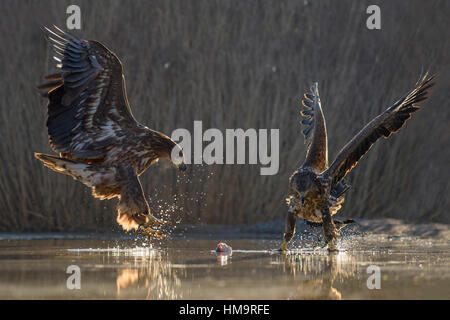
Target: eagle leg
{"points": [[329, 228], [133, 209], [290, 230]]}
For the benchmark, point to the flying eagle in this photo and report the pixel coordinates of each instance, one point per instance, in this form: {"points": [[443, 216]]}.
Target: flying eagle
{"points": [[91, 126], [317, 190]]}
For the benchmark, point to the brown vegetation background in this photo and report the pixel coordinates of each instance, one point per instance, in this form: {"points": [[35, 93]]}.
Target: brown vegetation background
{"points": [[235, 64]]}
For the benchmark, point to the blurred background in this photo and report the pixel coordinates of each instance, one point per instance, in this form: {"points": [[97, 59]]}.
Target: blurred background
{"points": [[235, 64]]}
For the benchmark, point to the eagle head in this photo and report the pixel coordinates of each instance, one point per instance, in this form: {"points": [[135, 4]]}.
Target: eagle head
{"points": [[300, 182], [167, 148], [177, 157]]}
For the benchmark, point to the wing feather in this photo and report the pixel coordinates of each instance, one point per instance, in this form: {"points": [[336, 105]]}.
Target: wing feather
{"points": [[88, 110], [387, 123], [314, 131]]}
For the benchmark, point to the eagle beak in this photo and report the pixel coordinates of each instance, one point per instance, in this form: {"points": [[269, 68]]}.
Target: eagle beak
{"points": [[182, 167], [302, 197]]}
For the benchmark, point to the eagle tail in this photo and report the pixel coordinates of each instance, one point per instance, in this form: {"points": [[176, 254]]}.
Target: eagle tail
{"points": [[80, 171]]}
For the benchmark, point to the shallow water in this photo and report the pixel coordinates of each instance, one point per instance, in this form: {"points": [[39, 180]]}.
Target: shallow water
{"points": [[35, 268]]}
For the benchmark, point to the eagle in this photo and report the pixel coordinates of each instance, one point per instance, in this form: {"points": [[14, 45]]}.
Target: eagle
{"points": [[316, 190], [94, 133]]}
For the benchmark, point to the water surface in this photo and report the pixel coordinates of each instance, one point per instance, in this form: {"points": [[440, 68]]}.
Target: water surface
{"points": [[35, 268]]}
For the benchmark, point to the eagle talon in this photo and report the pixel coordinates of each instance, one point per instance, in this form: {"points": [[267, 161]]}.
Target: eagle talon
{"points": [[283, 247], [332, 247], [156, 222], [151, 233]]}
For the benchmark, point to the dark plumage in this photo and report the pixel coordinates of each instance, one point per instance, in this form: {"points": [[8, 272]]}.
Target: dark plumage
{"points": [[317, 190], [91, 126]]}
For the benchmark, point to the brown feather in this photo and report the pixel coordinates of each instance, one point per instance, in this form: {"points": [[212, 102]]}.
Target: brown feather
{"points": [[315, 131], [91, 126], [387, 123]]}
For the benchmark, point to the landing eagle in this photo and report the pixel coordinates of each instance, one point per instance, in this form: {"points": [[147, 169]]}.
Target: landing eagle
{"points": [[91, 127], [317, 190]]}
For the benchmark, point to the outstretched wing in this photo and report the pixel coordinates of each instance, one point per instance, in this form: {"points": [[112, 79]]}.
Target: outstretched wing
{"points": [[390, 121], [314, 130], [88, 109]]}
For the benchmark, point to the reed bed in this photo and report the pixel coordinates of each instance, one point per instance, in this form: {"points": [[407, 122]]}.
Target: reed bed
{"points": [[235, 64]]}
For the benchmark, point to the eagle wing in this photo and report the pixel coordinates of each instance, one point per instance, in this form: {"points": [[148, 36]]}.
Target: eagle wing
{"points": [[314, 130], [385, 124], [88, 110]]}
